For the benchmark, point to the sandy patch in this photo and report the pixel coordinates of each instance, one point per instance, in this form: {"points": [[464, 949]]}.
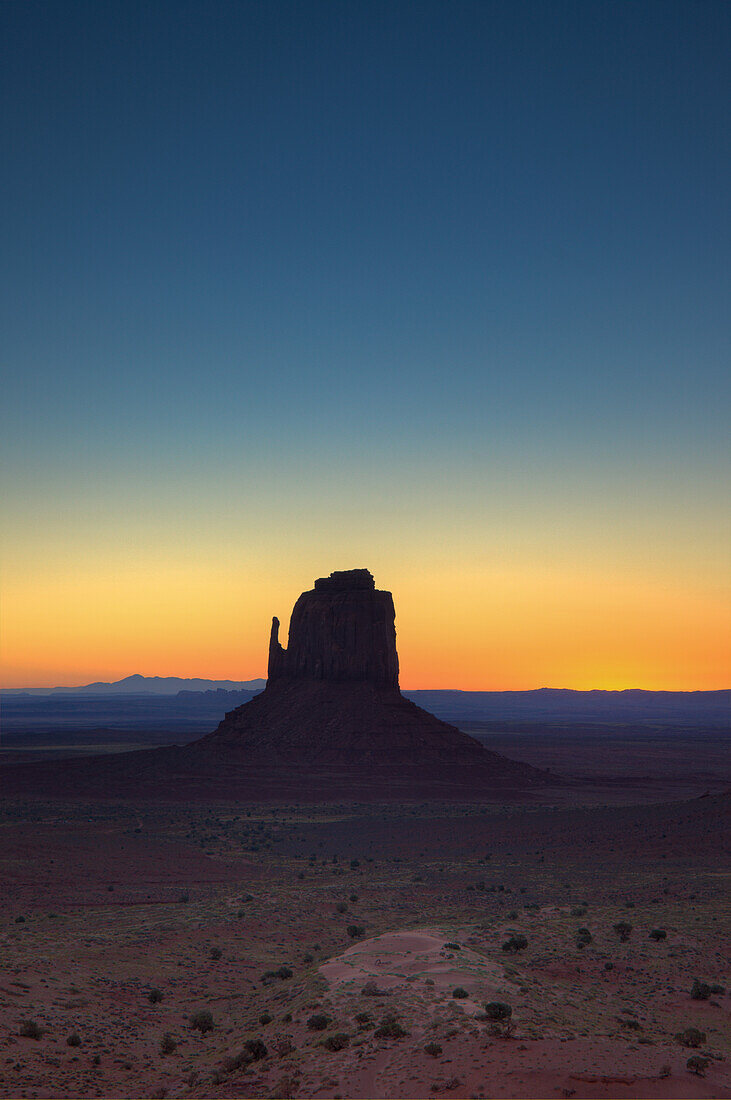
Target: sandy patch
{"points": [[420, 961]]}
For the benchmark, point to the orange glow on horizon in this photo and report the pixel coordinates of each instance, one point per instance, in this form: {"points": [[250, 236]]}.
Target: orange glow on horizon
{"points": [[486, 630]]}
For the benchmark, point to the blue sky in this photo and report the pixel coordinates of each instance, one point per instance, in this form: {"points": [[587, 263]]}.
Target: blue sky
{"points": [[435, 262]]}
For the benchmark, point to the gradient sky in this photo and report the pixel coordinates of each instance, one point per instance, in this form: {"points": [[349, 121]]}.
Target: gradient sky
{"points": [[438, 289]]}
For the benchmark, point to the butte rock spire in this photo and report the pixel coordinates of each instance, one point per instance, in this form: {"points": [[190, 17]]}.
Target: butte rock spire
{"points": [[332, 701]]}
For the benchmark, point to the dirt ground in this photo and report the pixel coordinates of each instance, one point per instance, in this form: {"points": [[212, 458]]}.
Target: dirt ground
{"points": [[120, 922]]}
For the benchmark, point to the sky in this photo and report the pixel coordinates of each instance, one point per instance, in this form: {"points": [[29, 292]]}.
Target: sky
{"points": [[436, 289]]}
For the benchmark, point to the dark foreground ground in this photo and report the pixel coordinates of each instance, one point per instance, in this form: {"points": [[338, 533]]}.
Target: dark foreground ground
{"points": [[121, 922]]}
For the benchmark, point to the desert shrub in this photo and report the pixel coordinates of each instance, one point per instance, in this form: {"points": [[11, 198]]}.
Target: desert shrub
{"points": [[515, 943], [363, 1019], [283, 972], [665, 1070], [318, 1022], [74, 1039], [370, 989], [498, 1010], [336, 1042], [265, 1019], [460, 993], [353, 898], [623, 930], [700, 991], [253, 1050], [691, 1037], [609, 966], [287, 1018], [355, 931], [185, 897], [658, 934], [717, 990], [697, 1065], [390, 1028], [154, 996], [578, 910], [583, 937], [20, 920], [29, 1029], [168, 1044], [341, 907], [307, 959], [434, 1049], [216, 953], [202, 1021], [450, 946]]}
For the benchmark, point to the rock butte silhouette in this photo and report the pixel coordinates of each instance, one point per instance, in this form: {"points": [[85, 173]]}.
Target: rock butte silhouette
{"points": [[330, 724], [333, 698]]}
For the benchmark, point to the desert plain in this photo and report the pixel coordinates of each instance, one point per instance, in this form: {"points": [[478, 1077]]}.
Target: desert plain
{"points": [[340, 949]]}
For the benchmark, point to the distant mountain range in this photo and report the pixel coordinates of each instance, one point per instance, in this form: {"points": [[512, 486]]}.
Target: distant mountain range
{"points": [[173, 702], [144, 685]]}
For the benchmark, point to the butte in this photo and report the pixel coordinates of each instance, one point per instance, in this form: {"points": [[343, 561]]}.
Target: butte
{"points": [[332, 712], [331, 725]]}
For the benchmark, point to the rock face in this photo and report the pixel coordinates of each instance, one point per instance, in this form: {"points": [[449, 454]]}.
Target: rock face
{"points": [[343, 630], [332, 701]]}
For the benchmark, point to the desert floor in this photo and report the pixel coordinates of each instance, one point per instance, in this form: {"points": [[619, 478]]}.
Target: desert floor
{"points": [[120, 922]]}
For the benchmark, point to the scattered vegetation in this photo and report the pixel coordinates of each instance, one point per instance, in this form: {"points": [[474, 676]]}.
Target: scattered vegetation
{"points": [[450, 946], [318, 1022], [697, 1065], [29, 1029], [434, 1049], [691, 1037], [623, 929], [253, 1050], [583, 937], [168, 1045], [515, 943], [202, 1021], [336, 1042], [390, 1028]]}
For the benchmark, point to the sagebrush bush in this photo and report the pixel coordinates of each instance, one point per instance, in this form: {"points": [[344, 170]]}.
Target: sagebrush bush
{"points": [[167, 1044], [498, 1010], [202, 1021]]}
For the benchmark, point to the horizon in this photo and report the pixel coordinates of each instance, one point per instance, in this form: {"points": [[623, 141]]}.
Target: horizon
{"points": [[438, 288]]}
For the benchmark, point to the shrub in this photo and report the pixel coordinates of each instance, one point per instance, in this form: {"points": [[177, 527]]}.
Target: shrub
{"points": [[623, 930], [318, 1022], [459, 993], [341, 907], [355, 930], [168, 1044], [29, 1029], [718, 990], [185, 896], [434, 1049], [265, 1019], [353, 898], [697, 1065], [307, 959], [363, 1019], [700, 991], [691, 1037], [658, 934], [216, 953], [154, 996], [202, 1021], [578, 910], [390, 1028], [283, 972], [515, 943], [583, 937], [253, 1050], [665, 1070], [336, 1042], [450, 946], [498, 1010], [74, 1039], [370, 989]]}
